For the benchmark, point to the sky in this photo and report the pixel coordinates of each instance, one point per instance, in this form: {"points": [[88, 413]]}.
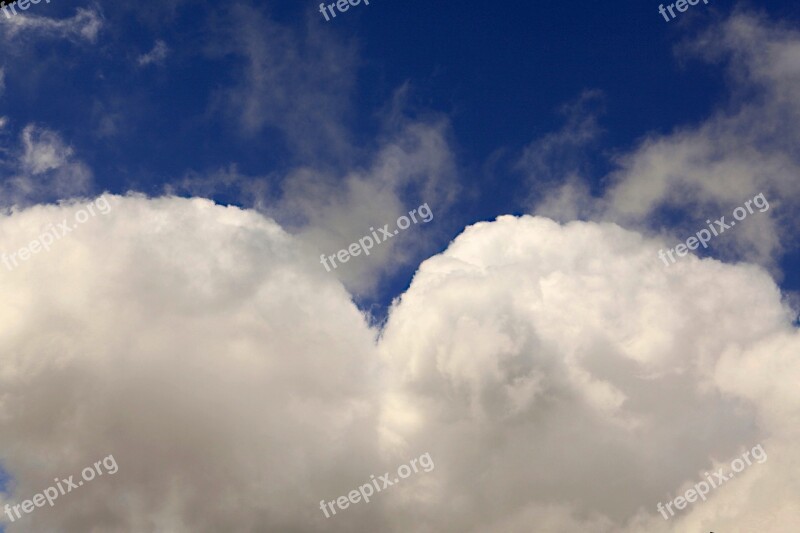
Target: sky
{"points": [[256, 254]]}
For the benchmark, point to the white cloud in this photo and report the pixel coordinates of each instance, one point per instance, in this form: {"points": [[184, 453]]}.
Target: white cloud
{"points": [[301, 82], [558, 155], [175, 335], [298, 83], [556, 374], [561, 376], [84, 25], [156, 55], [413, 164], [42, 168], [747, 147], [44, 150], [416, 165]]}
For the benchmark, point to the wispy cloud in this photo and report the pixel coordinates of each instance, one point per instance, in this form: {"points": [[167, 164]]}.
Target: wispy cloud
{"points": [[42, 168], [298, 82], [748, 146], [154, 56], [412, 164], [85, 25]]}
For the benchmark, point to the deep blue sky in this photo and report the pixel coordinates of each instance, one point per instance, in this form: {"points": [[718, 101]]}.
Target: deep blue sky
{"points": [[500, 72]]}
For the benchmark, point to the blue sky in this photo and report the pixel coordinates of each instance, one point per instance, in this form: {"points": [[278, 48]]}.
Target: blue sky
{"points": [[596, 112], [496, 75]]}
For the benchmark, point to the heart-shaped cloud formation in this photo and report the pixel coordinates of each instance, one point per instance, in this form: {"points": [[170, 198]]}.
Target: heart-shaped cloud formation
{"points": [[557, 375]]}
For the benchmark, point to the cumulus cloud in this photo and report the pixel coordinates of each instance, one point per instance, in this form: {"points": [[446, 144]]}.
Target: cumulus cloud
{"points": [[554, 374], [175, 335], [561, 377], [83, 26]]}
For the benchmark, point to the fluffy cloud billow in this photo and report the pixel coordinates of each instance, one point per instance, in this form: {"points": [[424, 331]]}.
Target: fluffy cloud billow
{"points": [[561, 377], [196, 343], [556, 374]]}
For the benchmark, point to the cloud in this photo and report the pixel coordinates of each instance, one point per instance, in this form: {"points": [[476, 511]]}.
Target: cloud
{"points": [[44, 150], [298, 83], [83, 26], [560, 154], [156, 55], [413, 164], [42, 168], [554, 373], [705, 170], [331, 192], [559, 376], [329, 211], [413, 167], [165, 343]]}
